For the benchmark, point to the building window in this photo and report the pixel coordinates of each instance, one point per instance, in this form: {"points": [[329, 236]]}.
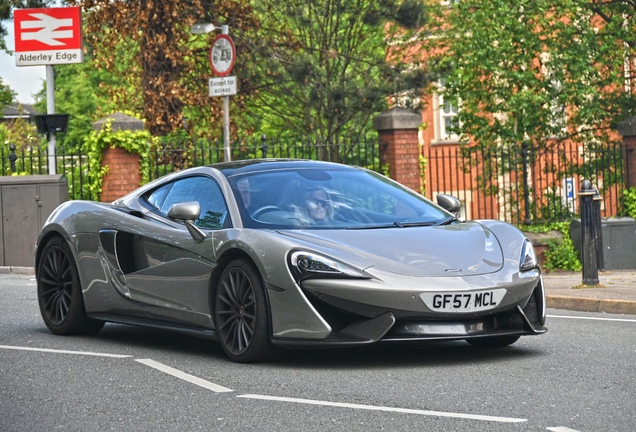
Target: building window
{"points": [[448, 118]]}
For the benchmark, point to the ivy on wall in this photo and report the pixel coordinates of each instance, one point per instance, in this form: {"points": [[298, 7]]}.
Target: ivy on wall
{"points": [[561, 256], [630, 201], [135, 142]]}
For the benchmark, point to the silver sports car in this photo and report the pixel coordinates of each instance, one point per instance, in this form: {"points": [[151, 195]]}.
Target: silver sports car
{"points": [[264, 254]]}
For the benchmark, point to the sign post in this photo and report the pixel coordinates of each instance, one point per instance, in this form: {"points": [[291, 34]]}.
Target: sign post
{"points": [[222, 56], [48, 37]]}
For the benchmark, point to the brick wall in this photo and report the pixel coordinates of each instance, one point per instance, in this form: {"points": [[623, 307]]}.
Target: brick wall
{"points": [[402, 156], [123, 175]]}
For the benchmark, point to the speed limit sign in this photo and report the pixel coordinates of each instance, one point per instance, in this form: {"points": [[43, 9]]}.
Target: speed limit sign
{"points": [[222, 55]]}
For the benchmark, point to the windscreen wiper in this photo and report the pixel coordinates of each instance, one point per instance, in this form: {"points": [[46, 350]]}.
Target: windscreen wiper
{"points": [[395, 224], [448, 220]]}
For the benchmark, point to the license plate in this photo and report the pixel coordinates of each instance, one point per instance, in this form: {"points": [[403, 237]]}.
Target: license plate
{"points": [[463, 301]]}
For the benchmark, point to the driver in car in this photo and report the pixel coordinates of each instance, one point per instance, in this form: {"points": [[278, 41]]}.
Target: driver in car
{"points": [[318, 207]]}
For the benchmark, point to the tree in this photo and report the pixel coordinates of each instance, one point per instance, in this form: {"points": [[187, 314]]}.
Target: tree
{"points": [[324, 66], [536, 70], [6, 96], [165, 67]]}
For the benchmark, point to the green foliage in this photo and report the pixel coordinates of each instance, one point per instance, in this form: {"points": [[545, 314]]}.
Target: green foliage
{"points": [[536, 70], [28, 143], [6, 96], [423, 162], [21, 133], [84, 91], [136, 142], [323, 67], [629, 198], [561, 256]]}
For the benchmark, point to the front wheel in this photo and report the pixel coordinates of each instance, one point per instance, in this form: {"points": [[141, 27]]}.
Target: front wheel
{"points": [[493, 341], [59, 292], [240, 314]]}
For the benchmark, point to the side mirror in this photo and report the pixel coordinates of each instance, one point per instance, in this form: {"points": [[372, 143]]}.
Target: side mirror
{"points": [[449, 203], [185, 211], [188, 212]]}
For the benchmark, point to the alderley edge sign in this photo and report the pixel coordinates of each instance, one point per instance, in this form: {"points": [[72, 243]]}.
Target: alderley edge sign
{"points": [[48, 36]]}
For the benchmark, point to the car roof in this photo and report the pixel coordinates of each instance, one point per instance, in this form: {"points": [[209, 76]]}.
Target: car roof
{"points": [[257, 165]]}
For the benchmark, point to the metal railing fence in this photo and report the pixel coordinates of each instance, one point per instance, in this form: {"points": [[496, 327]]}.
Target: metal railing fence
{"points": [[170, 156], [174, 155], [524, 185], [518, 184]]}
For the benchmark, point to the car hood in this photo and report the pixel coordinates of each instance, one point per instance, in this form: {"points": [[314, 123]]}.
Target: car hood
{"points": [[460, 249]]}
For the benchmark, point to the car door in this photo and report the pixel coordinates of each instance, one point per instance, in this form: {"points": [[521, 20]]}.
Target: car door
{"points": [[164, 268]]}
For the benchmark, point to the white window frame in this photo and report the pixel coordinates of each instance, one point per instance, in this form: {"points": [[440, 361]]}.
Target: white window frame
{"points": [[440, 117], [445, 116]]}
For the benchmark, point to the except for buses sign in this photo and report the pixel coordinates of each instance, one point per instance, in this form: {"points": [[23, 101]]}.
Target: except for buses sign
{"points": [[48, 36]]}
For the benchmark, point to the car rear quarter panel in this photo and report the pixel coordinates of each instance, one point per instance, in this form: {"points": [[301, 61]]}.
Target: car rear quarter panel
{"points": [[79, 223]]}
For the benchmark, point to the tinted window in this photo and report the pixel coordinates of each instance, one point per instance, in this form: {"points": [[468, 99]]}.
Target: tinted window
{"points": [[328, 198], [206, 192], [158, 196]]}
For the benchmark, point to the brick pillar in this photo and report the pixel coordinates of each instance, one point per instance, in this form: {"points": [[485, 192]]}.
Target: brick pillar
{"points": [[123, 175], [398, 129], [627, 129]]}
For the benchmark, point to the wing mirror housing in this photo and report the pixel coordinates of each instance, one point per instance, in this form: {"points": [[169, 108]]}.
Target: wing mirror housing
{"points": [[449, 203], [188, 212]]}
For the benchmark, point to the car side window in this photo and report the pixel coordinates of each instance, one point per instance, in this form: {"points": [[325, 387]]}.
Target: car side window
{"points": [[157, 198], [206, 192]]}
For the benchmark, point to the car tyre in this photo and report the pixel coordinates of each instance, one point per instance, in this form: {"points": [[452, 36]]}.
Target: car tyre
{"points": [[493, 341], [241, 314], [59, 292]]}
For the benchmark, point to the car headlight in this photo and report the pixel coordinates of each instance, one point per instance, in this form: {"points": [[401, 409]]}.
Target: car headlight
{"points": [[529, 258], [306, 264]]}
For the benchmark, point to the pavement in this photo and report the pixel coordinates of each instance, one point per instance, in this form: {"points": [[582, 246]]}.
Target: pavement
{"points": [[616, 292]]}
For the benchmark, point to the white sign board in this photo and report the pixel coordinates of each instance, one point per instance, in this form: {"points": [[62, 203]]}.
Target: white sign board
{"points": [[225, 86], [569, 193]]}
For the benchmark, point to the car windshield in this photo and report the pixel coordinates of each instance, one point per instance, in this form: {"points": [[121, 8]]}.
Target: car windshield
{"points": [[315, 198]]}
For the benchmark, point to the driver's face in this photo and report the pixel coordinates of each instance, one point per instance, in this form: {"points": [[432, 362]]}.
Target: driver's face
{"points": [[318, 205]]}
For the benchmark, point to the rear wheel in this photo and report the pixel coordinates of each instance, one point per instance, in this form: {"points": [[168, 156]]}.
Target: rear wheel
{"points": [[59, 292], [493, 341], [240, 314]]}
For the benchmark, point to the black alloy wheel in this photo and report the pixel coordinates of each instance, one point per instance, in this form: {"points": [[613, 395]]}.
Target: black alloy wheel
{"points": [[240, 312], [59, 292]]}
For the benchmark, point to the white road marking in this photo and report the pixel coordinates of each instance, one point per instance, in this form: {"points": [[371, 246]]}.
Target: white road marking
{"points": [[184, 376], [591, 318], [561, 429], [388, 409], [64, 352]]}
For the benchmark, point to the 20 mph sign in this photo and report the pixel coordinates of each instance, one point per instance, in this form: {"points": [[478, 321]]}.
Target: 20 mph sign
{"points": [[48, 36]]}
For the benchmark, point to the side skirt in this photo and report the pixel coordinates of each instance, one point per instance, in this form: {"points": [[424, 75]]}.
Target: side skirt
{"points": [[141, 322]]}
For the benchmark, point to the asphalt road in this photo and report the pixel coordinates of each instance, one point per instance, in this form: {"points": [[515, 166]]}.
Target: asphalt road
{"points": [[581, 376]]}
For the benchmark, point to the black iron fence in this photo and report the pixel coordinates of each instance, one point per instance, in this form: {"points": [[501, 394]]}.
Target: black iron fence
{"points": [[525, 185], [173, 156], [35, 161], [516, 184]]}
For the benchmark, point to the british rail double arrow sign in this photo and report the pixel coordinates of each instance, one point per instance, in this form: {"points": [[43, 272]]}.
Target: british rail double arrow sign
{"points": [[48, 36]]}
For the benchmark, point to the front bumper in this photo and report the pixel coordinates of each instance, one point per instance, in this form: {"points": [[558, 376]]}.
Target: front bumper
{"points": [[353, 325]]}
